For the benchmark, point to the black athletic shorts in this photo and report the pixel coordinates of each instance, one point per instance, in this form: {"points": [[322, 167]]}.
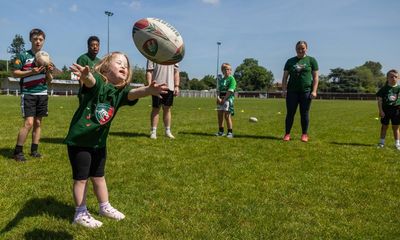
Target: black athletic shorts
{"points": [[166, 100], [87, 162], [391, 114], [34, 105]]}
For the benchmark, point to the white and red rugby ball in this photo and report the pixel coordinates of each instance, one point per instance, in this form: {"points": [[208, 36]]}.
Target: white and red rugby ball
{"points": [[158, 41]]}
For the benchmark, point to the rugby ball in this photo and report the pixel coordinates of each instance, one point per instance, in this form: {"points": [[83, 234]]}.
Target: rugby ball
{"points": [[158, 41], [42, 58], [253, 119]]}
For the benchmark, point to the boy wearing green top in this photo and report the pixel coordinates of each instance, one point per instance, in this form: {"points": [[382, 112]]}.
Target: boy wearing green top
{"points": [[34, 98], [389, 107], [225, 97]]}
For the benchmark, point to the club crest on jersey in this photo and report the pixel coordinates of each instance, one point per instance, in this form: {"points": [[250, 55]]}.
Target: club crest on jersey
{"points": [[104, 113]]}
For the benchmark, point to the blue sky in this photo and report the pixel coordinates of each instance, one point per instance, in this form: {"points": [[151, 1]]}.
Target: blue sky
{"points": [[340, 33]]}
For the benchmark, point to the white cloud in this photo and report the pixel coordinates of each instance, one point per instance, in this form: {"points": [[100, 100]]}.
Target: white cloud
{"points": [[74, 8], [135, 4], [46, 10], [212, 2]]}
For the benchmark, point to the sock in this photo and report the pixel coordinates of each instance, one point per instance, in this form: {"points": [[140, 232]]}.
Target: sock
{"points": [[34, 147], [104, 205], [79, 210], [168, 129], [397, 142], [153, 129], [221, 129], [382, 141], [229, 130], [18, 149]]}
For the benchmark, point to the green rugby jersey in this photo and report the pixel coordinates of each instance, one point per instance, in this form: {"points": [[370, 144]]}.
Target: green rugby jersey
{"points": [[92, 120], [300, 73], [33, 84]]}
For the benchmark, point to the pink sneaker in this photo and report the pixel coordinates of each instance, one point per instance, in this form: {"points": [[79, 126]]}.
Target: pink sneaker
{"points": [[304, 138], [286, 137]]}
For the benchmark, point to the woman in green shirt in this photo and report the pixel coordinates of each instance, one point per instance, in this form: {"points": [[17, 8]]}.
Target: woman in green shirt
{"points": [[302, 72]]}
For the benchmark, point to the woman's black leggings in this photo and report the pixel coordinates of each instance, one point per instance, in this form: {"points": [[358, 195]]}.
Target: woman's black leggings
{"points": [[292, 100]]}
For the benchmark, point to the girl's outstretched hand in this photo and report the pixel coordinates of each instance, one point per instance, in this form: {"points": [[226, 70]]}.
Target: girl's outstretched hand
{"points": [[157, 89], [81, 72]]}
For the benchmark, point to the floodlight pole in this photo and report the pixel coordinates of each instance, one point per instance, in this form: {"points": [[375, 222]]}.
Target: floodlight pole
{"points": [[109, 14], [218, 44]]}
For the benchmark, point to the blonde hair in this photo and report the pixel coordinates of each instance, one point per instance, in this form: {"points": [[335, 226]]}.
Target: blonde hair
{"points": [[103, 67], [224, 66]]}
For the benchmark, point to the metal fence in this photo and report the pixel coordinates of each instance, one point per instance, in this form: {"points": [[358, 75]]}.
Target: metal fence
{"points": [[212, 94]]}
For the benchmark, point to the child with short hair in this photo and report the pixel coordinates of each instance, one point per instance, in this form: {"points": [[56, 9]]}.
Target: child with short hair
{"points": [[226, 88], [103, 92], [389, 107]]}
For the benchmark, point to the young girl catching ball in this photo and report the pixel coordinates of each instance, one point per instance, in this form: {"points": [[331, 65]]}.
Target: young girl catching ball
{"points": [[102, 93]]}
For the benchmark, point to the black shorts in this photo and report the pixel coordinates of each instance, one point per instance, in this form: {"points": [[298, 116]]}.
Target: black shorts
{"points": [[87, 162], [391, 114], [34, 105], [166, 100]]}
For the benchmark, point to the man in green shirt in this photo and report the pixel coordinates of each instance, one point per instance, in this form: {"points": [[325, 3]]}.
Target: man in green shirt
{"points": [[90, 58]]}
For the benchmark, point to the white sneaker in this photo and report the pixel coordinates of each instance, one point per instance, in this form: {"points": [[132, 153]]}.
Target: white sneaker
{"points": [[169, 135], [153, 135], [229, 135], [86, 220], [397, 146], [380, 145], [111, 212]]}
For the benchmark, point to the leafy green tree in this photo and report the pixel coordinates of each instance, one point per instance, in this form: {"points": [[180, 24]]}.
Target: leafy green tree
{"points": [[375, 67], [209, 81], [17, 46], [139, 75], [196, 84], [184, 80], [252, 77], [324, 84]]}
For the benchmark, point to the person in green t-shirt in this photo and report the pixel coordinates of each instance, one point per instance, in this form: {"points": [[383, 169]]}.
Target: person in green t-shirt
{"points": [[90, 58], [302, 72], [34, 98], [103, 93], [389, 107], [225, 96]]}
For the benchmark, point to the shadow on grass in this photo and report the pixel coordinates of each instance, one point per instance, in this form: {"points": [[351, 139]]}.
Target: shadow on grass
{"points": [[128, 134], [353, 144], [39, 206], [7, 152], [45, 234], [235, 135], [52, 140]]}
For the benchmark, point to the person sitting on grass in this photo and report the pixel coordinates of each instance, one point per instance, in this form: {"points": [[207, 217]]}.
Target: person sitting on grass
{"points": [[389, 107], [103, 93]]}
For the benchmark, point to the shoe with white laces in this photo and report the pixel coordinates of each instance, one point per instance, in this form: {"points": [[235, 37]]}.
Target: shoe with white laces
{"points": [[111, 212], [229, 135], [86, 220], [380, 145], [153, 135], [169, 135]]}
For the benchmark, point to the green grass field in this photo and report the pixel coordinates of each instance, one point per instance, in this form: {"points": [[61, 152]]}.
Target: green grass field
{"points": [[198, 186]]}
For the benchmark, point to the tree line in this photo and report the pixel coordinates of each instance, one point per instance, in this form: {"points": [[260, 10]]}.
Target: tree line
{"points": [[250, 76]]}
